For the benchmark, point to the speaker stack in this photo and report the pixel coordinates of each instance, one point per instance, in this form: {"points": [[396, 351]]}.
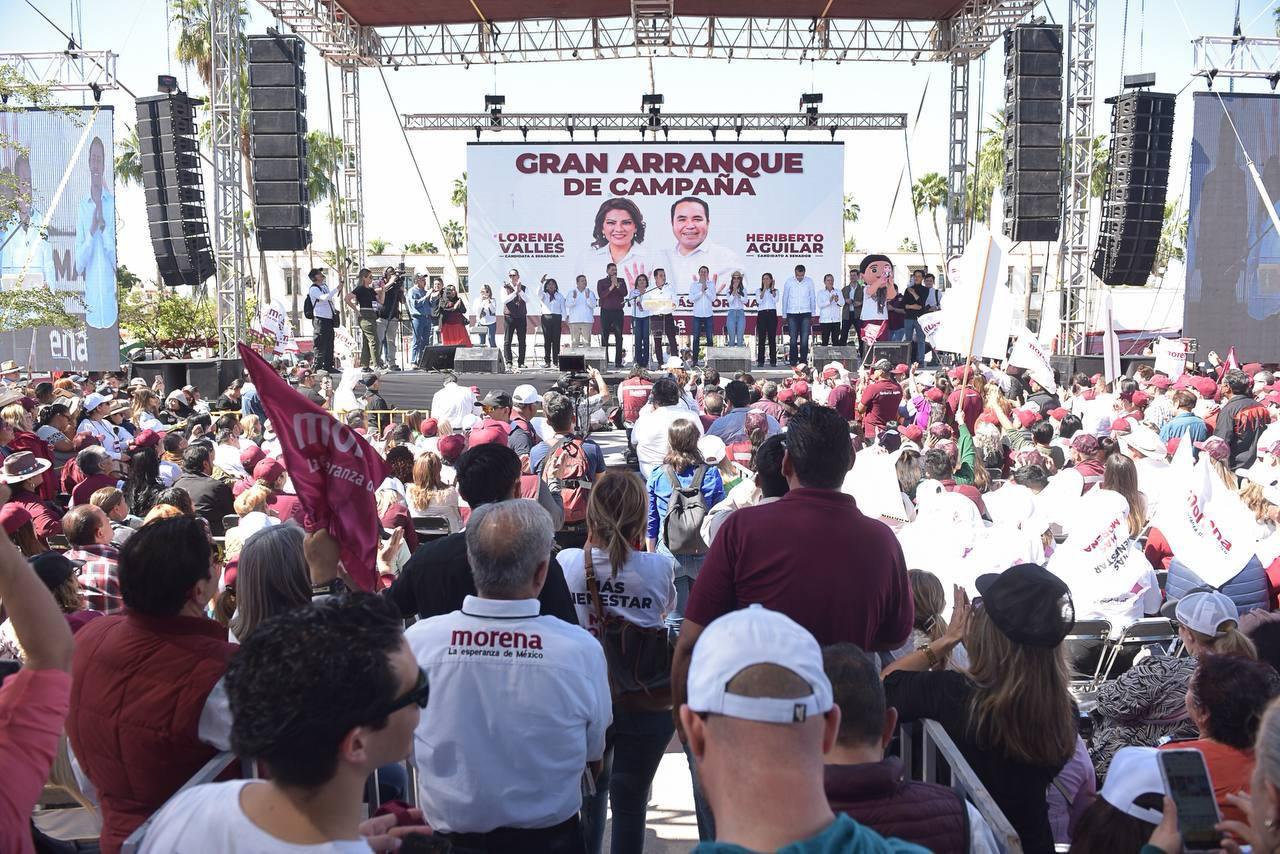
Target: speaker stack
{"points": [[278, 142], [1033, 132], [174, 190], [1137, 181]]}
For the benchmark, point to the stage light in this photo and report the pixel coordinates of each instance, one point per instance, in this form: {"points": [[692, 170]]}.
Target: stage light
{"points": [[1139, 81], [524, 131], [477, 133], [494, 104], [738, 130], [652, 103], [167, 83], [809, 102], [714, 128], [97, 92]]}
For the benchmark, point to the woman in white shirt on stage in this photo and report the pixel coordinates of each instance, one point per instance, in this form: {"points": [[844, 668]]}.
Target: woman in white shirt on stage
{"points": [[767, 321], [486, 317], [552, 318], [640, 319], [735, 325], [580, 303]]}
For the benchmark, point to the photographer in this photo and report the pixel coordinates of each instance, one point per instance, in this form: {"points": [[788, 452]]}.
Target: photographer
{"points": [[390, 295]]}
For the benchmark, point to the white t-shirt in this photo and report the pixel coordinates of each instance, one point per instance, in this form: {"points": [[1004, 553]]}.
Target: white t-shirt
{"points": [[649, 435], [453, 403], [643, 592], [208, 818]]}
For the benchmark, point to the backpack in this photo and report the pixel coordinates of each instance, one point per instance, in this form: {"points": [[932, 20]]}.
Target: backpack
{"points": [[565, 471], [308, 308], [639, 659], [686, 510]]}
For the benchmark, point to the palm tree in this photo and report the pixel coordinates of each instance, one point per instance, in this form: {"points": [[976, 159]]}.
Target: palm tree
{"points": [[1100, 165], [851, 209], [930, 193], [128, 160], [324, 155], [908, 245], [426, 247], [458, 198], [454, 235], [1173, 237], [377, 246], [987, 172]]}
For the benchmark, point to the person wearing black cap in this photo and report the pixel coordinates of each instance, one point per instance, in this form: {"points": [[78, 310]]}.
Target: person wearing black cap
{"points": [[871, 299], [1011, 714], [374, 401]]}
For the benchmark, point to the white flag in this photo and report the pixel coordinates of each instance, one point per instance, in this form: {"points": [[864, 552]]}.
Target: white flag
{"points": [[978, 310], [1027, 353], [1171, 357], [1111, 369]]}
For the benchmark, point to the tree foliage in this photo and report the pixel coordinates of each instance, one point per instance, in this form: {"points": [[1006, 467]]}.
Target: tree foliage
{"points": [[173, 324], [458, 197], [454, 235], [1173, 237], [908, 245], [426, 247], [377, 246], [929, 194]]}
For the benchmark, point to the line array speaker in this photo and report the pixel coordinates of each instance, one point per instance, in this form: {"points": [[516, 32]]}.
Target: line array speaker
{"points": [[174, 189], [278, 142], [1033, 132], [1137, 182]]}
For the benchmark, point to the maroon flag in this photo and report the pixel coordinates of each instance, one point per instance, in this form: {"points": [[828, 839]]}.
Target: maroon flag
{"points": [[334, 470], [1231, 364]]}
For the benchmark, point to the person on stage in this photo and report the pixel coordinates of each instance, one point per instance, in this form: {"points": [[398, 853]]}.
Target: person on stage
{"points": [[580, 303], [736, 320], [364, 300], [96, 244], [830, 304], [422, 312], [767, 321], [847, 317], [324, 311], [612, 292], [871, 302], [616, 238], [453, 326], [552, 318], [661, 303], [640, 320], [703, 293], [799, 305], [515, 314], [486, 317]]}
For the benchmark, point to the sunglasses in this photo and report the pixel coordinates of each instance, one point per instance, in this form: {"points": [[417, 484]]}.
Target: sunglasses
{"points": [[417, 694]]}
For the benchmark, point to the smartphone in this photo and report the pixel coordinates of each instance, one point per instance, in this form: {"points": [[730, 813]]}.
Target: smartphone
{"points": [[1186, 778]]}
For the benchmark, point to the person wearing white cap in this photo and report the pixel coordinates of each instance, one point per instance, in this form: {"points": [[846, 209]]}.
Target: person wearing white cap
{"points": [[97, 408], [758, 717], [501, 761], [1146, 704], [525, 402], [1129, 807]]}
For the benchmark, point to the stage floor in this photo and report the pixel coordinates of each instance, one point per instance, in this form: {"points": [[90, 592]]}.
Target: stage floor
{"points": [[413, 389]]}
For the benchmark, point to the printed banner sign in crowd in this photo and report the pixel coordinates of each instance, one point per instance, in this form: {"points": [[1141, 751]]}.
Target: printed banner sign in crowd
{"points": [[1028, 353], [334, 470], [978, 311], [1171, 357]]}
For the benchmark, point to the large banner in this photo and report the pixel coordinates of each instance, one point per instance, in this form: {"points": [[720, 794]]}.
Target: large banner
{"points": [[561, 210], [1233, 252], [63, 236]]}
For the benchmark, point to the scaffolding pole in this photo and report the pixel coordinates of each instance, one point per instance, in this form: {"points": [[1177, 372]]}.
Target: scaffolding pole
{"points": [[351, 203], [958, 160], [1074, 275], [229, 238]]}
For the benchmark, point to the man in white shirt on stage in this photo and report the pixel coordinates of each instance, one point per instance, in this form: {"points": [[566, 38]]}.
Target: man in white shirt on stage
{"points": [[323, 314], [453, 403], [661, 304], [525, 698], [703, 294], [799, 306], [96, 244], [581, 303], [690, 223]]}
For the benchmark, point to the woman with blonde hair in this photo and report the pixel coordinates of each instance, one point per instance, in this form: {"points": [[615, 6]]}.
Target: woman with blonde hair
{"points": [[254, 500], [1146, 704], [144, 411], [251, 429], [1011, 714], [429, 495], [1119, 474], [638, 587], [271, 578]]}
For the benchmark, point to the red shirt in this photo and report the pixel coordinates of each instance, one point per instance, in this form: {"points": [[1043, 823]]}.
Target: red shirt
{"points": [[634, 393], [1230, 769], [970, 406], [880, 399], [611, 296], [33, 705], [841, 400], [87, 487], [836, 572]]}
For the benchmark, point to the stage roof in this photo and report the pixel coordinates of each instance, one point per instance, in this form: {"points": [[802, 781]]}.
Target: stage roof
{"points": [[387, 13]]}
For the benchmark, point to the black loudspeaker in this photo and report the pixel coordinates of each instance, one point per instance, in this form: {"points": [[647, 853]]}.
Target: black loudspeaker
{"points": [[211, 376], [897, 352], [173, 187], [278, 142], [728, 360], [822, 354], [437, 358], [478, 360], [1033, 132], [1137, 181], [594, 357]]}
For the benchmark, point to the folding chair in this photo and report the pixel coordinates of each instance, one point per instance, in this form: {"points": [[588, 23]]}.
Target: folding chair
{"points": [[230, 521], [430, 527], [1152, 630], [59, 542], [1087, 635]]}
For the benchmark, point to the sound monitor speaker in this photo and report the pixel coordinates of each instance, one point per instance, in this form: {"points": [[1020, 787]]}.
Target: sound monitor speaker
{"points": [[897, 352], [478, 360], [728, 360], [1137, 183], [822, 354], [173, 187], [593, 357], [1033, 132], [277, 142], [437, 358]]}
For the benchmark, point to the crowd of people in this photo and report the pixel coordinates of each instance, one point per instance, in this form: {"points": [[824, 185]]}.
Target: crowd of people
{"points": [[775, 573], [868, 307]]}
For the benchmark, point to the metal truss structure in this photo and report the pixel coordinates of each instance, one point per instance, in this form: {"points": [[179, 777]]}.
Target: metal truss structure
{"points": [[229, 239], [351, 199], [1074, 273], [1236, 57], [957, 159], [67, 70], [645, 123]]}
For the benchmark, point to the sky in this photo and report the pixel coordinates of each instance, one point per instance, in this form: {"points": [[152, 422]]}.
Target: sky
{"points": [[396, 208]]}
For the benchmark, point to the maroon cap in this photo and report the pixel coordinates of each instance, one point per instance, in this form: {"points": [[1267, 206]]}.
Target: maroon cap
{"points": [[756, 420], [1159, 381], [13, 516], [146, 439], [451, 447], [940, 431], [901, 369], [1122, 426], [1207, 388], [1025, 418], [934, 395], [801, 388], [429, 427], [29, 403], [1095, 378], [786, 395], [250, 456], [1216, 447], [488, 432], [989, 417], [1058, 414], [956, 373], [1183, 381], [1084, 443], [912, 433], [1251, 368], [268, 470], [1141, 399]]}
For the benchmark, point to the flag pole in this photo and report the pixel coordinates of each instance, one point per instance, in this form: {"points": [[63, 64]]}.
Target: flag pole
{"points": [[977, 313]]}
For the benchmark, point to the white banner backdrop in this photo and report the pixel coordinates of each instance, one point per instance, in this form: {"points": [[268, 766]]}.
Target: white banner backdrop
{"points": [[566, 209]]}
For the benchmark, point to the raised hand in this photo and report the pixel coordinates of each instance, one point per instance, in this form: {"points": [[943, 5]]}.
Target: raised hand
{"points": [[631, 272]]}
